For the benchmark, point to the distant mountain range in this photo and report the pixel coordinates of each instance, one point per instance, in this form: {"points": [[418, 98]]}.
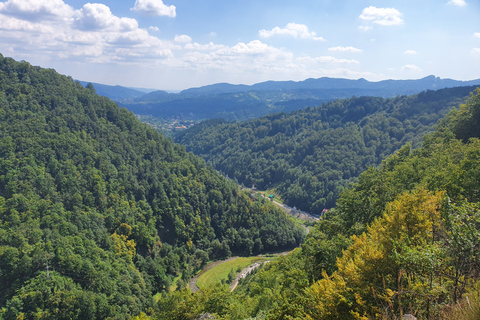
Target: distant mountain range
{"points": [[117, 92], [392, 86], [241, 102]]}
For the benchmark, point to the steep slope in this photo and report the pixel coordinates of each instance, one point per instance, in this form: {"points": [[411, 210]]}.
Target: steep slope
{"points": [[98, 211], [309, 156], [402, 243]]}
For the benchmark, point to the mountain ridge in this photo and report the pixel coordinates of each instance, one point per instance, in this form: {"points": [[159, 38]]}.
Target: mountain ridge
{"points": [[428, 82], [243, 102]]}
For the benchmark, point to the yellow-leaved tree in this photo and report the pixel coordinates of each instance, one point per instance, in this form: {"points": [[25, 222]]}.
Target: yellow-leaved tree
{"points": [[389, 270]]}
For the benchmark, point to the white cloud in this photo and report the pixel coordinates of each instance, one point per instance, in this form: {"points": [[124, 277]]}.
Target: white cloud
{"points": [[254, 47], [344, 49], [183, 38], [476, 35], [410, 52], [253, 56], [204, 47], [476, 50], [154, 8], [460, 3], [292, 29], [36, 10], [90, 34], [410, 68], [97, 16], [382, 16], [11, 24]]}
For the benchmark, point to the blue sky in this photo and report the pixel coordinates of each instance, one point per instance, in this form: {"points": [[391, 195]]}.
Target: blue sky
{"points": [[178, 44]]}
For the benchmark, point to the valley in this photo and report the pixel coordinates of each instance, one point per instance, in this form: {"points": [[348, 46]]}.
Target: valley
{"points": [[310, 156], [104, 217], [239, 160]]}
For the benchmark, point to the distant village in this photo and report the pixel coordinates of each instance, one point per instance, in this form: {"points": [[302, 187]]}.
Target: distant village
{"points": [[167, 126]]}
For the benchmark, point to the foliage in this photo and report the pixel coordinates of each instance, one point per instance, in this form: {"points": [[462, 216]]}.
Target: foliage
{"points": [[468, 309], [404, 239], [310, 156], [98, 211]]}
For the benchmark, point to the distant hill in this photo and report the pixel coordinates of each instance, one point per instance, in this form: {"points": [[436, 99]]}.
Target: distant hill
{"points": [[116, 93], [414, 86], [310, 155], [243, 102]]}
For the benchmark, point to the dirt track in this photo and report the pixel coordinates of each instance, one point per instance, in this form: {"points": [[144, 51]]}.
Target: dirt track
{"points": [[245, 272]]}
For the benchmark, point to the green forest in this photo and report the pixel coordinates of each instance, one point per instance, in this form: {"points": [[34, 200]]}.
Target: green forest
{"points": [[102, 217], [309, 156], [403, 242], [99, 212]]}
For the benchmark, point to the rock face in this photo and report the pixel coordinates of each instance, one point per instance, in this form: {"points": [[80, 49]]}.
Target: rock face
{"points": [[409, 317]]}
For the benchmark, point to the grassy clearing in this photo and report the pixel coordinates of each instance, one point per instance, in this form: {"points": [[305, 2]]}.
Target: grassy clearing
{"points": [[274, 192], [216, 274]]}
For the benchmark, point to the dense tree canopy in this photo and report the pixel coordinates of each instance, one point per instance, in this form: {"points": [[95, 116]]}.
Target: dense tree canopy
{"points": [[98, 211], [404, 239], [309, 156]]}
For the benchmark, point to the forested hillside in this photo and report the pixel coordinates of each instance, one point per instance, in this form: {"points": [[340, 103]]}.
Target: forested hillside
{"points": [[98, 212], [243, 102], [402, 243], [309, 156]]}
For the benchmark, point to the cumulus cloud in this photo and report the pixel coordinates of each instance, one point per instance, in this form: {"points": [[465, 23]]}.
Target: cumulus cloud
{"points": [[410, 68], [183, 38], [89, 34], [410, 52], [11, 24], [36, 10], [344, 49], [97, 16], [204, 47], [460, 3], [253, 56], [154, 8], [382, 16], [292, 29], [255, 47], [476, 35], [476, 50], [93, 34]]}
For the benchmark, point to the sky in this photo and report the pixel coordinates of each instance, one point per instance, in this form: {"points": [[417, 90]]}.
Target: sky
{"points": [[179, 44]]}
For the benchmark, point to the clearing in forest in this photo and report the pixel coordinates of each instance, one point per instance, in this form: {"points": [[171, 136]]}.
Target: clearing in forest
{"points": [[221, 271]]}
